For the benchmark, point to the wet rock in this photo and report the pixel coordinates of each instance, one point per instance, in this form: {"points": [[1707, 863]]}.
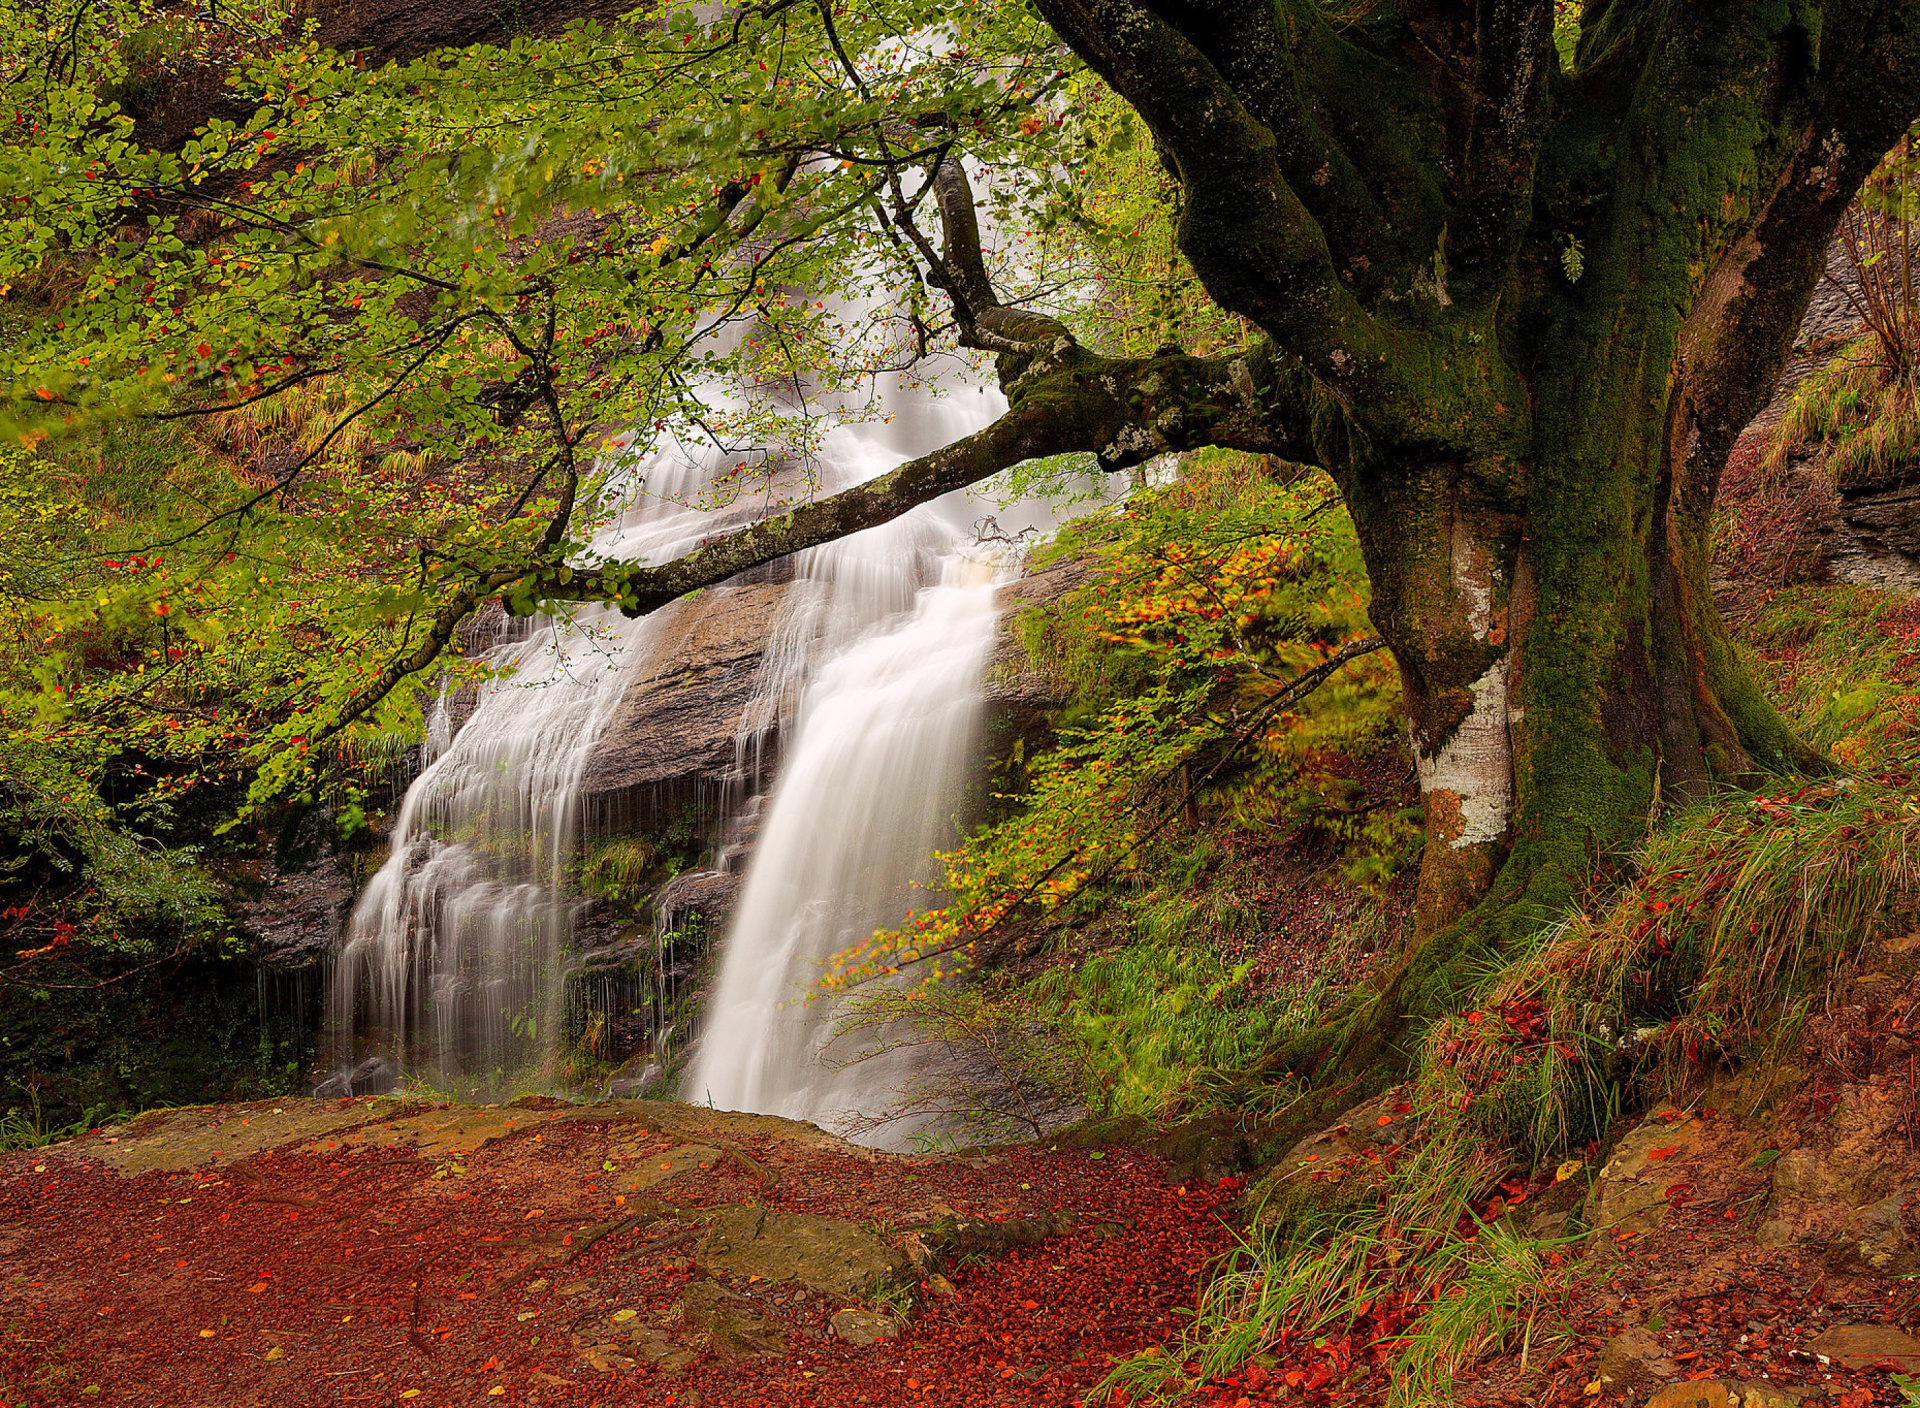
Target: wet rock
{"points": [[672, 737], [375, 1075], [1866, 1346], [1021, 700], [294, 915], [825, 1254], [706, 894], [1630, 1193], [1634, 1362], [864, 1327], [650, 1079]]}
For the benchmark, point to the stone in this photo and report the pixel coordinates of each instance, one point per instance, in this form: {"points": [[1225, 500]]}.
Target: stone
{"points": [[1864, 1346], [648, 1080], [671, 741], [1881, 1240], [1723, 1393], [1020, 700], [735, 1323], [1630, 1192], [864, 1327], [1634, 1361], [1331, 1170], [655, 1347], [825, 1254], [172, 1140], [939, 1286]]}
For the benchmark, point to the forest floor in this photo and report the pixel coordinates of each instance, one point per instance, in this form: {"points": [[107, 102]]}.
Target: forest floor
{"points": [[376, 1252]]}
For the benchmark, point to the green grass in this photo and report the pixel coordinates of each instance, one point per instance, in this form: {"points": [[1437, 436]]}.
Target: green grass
{"points": [[1843, 663], [1160, 1029], [1866, 420], [1400, 1278]]}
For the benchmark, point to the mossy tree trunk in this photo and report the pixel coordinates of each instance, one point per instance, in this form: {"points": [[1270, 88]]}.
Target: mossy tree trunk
{"points": [[1537, 298]]}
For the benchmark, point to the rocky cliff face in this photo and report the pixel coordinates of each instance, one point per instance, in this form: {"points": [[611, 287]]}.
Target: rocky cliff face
{"points": [[1866, 532], [672, 742]]}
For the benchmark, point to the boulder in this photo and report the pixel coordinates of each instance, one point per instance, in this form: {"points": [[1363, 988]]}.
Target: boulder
{"points": [[1723, 1393], [1338, 1168], [1630, 1193], [1866, 1347], [672, 738], [1883, 1239], [1634, 1362], [825, 1254], [864, 1327]]}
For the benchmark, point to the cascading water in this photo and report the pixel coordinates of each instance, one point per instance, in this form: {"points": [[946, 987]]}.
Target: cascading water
{"points": [[453, 965], [902, 619], [451, 968]]}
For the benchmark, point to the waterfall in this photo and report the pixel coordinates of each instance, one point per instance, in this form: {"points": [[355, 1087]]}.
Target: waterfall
{"points": [[452, 970], [902, 619], [451, 966]]}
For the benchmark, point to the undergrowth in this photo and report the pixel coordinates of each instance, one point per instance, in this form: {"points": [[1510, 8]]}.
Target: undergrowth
{"points": [[1227, 703], [1844, 664]]}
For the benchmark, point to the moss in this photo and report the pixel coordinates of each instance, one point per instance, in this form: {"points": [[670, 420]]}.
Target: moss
{"points": [[106, 1034]]}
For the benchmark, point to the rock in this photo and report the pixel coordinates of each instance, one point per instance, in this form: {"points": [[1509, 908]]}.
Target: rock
{"points": [[708, 894], [1882, 1239], [1633, 1362], [1630, 1193], [733, 1322], [939, 1286], [1723, 1393], [1337, 1168], [825, 1254], [864, 1327], [1020, 700], [1798, 1174], [655, 1347], [671, 740], [1865, 1346], [648, 1080], [949, 1238], [293, 915]]}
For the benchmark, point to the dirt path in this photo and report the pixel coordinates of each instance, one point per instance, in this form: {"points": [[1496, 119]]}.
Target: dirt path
{"points": [[370, 1252]]}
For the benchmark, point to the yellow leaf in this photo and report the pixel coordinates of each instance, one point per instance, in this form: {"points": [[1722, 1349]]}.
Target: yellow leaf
{"points": [[1568, 1170]]}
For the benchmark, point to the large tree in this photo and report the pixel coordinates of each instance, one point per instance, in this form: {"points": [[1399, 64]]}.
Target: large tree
{"points": [[1515, 285]]}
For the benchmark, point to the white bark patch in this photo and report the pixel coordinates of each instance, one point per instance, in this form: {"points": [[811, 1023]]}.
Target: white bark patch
{"points": [[1475, 768], [1473, 581]]}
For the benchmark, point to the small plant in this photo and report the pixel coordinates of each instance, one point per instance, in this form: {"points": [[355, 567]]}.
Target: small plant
{"points": [[893, 1297], [27, 1127]]}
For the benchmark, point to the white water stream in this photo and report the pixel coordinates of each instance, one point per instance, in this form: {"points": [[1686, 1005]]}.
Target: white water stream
{"points": [[453, 969]]}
